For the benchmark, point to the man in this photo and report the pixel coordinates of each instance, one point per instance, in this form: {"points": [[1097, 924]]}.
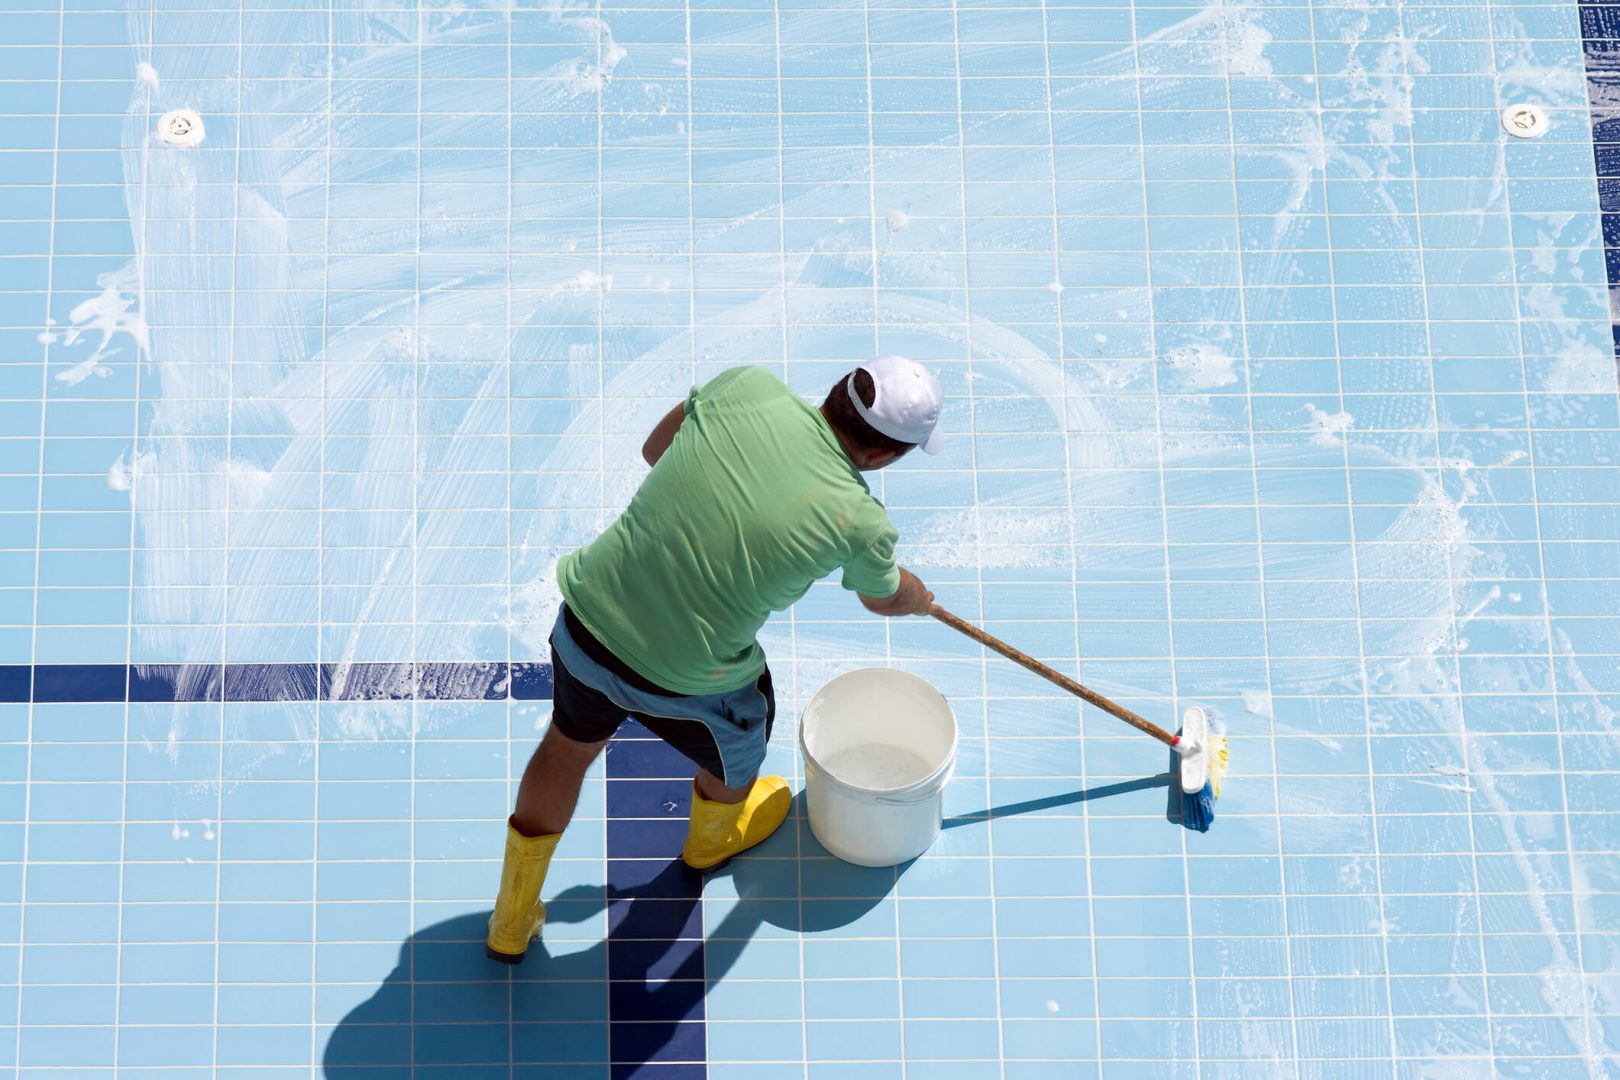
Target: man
{"points": [[754, 495]]}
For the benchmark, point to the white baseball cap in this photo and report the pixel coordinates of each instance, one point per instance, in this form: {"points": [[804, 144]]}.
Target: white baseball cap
{"points": [[907, 402]]}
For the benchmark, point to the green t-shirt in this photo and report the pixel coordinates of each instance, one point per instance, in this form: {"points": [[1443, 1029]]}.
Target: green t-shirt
{"points": [[754, 501]]}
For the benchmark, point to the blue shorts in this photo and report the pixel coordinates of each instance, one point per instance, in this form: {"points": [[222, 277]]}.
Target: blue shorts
{"points": [[593, 692]]}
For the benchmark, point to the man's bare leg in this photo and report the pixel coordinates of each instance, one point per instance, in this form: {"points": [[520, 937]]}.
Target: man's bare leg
{"points": [[545, 804], [550, 788]]}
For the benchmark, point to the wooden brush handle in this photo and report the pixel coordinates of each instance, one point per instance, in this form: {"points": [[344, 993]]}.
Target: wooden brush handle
{"points": [[1146, 726]]}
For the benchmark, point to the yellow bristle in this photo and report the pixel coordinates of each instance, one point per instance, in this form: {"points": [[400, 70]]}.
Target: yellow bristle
{"points": [[1217, 763]]}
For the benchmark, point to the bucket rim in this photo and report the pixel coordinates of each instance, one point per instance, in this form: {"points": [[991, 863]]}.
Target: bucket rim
{"points": [[944, 769]]}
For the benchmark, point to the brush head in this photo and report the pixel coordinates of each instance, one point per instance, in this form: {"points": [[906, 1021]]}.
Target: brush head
{"points": [[1193, 748], [1202, 765]]}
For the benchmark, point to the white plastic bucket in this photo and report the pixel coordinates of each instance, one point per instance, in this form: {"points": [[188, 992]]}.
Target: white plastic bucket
{"points": [[879, 746]]}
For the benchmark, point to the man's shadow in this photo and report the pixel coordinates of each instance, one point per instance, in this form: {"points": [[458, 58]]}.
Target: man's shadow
{"points": [[445, 1010]]}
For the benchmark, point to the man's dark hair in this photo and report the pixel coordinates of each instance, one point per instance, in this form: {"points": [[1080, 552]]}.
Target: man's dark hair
{"points": [[841, 412]]}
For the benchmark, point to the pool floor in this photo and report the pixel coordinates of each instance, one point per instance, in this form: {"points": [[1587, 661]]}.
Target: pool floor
{"points": [[1281, 379]]}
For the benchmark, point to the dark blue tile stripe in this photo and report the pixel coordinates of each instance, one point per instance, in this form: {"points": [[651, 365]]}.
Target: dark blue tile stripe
{"points": [[16, 682], [1600, 34], [469, 681], [655, 915], [80, 682]]}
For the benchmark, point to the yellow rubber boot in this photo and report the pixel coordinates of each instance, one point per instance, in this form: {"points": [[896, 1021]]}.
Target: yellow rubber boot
{"points": [[519, 914], [720, 830]]}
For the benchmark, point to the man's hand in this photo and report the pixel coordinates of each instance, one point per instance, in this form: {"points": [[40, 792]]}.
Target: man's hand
{"points": [[912, 598]]}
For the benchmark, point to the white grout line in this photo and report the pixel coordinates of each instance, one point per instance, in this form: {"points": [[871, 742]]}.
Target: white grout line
{"points": [[1525, 935], [1074, 543], [134, 512], [39, 527], [601, 453], [1164, 526], [1355, 562], [877, 350], [978, 518], [416, 490], [692, 375], [225, 578], [793, 698], [1174, 695], [511, 709], [320, 517], [1295, 1047]]}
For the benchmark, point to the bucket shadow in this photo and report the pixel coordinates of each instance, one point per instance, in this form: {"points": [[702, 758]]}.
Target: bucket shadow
{"points": [[631, 1005], [1031, 806]]}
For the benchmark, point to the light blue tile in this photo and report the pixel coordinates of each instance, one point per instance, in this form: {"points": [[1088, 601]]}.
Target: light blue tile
{"points": [[854, 1040]]}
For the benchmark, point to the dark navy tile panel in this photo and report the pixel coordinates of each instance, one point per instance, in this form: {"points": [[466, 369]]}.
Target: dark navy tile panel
{"points": [[1611, 232], [1605, 127], [270, 682], [1600, 21], [1608, 195], [80, 682], [16, 682], [660, 1071], [652, 877], [640, 838], [176, 682], [489, 681], [627, 761], [655, 914], [661, 919], [368, 682], [629, 798], [640, 1043], [632, 1003], [653, 961], [531, 682]]}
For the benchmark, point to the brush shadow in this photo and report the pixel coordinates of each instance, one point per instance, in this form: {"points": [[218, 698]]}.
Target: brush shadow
{"points": [[1031, 806]]}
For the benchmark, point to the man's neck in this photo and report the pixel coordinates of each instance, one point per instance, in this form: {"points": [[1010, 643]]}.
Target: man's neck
{"points": [[849, 450]]}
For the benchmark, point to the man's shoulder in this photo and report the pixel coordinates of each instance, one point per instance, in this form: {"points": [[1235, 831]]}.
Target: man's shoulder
{"points": [[752, 379]]}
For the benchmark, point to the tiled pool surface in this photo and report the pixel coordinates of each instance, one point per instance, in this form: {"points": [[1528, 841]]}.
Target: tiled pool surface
{"points": [[1281, 380]]}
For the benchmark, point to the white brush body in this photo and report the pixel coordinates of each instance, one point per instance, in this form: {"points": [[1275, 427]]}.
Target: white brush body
{"points": [[1194, 744]]}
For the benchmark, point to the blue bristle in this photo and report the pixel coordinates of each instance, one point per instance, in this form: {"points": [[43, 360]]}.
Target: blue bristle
{"points": [[1198, 808]]}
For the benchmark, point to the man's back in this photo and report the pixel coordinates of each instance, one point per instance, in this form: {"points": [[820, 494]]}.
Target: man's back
{"points": [[753, 501]]}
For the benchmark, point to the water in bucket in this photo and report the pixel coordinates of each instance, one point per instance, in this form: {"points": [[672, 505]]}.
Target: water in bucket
{"points": [[877, 766]]}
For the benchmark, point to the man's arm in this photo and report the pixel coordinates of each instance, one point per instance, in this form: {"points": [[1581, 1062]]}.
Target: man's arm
{"points": [[912, 598], [663, 434]]}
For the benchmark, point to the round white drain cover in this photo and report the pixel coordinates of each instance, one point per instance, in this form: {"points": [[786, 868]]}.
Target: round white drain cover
{"points": [[180, 127], [1525, 121]]}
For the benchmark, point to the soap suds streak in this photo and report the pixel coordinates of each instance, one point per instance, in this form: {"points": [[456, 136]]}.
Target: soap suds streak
{"points": [[114, 311]]}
